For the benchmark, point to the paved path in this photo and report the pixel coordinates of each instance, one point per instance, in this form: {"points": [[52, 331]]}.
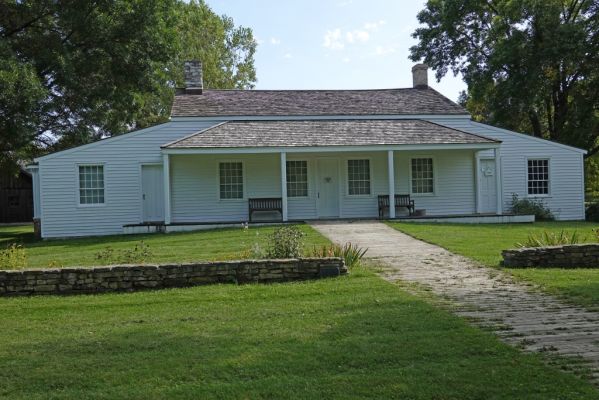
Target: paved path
{"points": [[520, 316]]}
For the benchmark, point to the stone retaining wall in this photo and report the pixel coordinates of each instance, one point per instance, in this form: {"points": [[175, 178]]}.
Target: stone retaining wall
{"points": [[568, 256], [136, 277]]}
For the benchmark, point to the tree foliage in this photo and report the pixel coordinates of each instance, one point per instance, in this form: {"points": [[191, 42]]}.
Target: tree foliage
{"points": [[74, 71], [530, 65], [226, 51]]}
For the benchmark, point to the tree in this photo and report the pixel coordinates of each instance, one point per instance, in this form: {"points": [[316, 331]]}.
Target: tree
{"points": [[74, 71], [226, 51], [530, 65]]}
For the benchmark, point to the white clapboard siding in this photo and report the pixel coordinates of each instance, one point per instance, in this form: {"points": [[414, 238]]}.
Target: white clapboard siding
{"points": [[121, 157], [454, 191], [195, 196], [566, 199], [195, 186]]}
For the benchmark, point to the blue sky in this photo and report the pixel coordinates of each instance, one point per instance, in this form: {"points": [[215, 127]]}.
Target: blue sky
{"points": [[333, 44]]}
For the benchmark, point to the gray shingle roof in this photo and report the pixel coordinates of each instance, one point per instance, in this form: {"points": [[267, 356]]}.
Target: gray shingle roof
{"points": [[325, 133], [410, 101]]}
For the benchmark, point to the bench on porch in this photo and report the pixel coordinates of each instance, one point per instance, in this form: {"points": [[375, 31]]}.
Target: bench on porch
{"points": [[401, 200], [265, 204]]}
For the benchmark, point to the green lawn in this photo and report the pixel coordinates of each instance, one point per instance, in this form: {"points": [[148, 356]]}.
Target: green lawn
{"points": [[220, 244], [349, 337], [485, 242]]}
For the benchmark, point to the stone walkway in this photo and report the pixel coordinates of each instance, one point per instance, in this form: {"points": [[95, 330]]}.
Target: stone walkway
{"points": [[520, 316]]}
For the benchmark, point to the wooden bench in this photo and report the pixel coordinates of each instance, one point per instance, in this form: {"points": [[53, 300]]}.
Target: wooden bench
{"points": [[401, 200], [265, 204]]}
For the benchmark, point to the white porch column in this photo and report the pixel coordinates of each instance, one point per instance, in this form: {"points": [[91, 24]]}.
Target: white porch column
{"points": [[391, 175], [167, 188], [498, 180], [477, 181], [284, 185]]}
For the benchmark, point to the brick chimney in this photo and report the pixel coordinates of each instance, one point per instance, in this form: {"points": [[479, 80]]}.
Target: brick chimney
{"points": [[420, 76], [193, 77]]}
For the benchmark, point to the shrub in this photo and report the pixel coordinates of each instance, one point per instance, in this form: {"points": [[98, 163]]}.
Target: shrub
{"points": [[531, 207], [592, 212], [551, 239], [138, 254], [285, 242], [14, 257], [352, 254]]}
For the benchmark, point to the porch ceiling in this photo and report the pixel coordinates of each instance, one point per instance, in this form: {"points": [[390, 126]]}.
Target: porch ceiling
{"points": [[324, 133]]}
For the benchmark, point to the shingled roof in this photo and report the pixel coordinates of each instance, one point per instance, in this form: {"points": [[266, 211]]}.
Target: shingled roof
{"points": [[313, 133], [226, 103]]}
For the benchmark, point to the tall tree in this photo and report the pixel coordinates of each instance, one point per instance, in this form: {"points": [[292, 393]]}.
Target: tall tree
{"points": [[73, 71], [77, 68], [530, 65], [226, 51]]}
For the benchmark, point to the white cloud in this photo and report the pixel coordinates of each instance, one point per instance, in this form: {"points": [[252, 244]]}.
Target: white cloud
{"points": [[332, 40], [337, 39], [383, 50], [275, 41], [357, 36], [346, 59], [373, 26], [287, 55]]}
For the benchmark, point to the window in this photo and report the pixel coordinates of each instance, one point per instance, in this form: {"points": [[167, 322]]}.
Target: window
{"points": [[231, 180], [422, 176], [297, 179], [538, 177], [358, 177], [91, 184]]}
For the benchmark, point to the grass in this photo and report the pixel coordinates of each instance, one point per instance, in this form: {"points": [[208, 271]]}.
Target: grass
{"points": [[218, 244], [349, 337], [485, 242]]}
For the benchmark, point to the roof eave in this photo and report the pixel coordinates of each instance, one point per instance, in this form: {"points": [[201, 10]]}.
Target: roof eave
{"points": [[331, 148]]}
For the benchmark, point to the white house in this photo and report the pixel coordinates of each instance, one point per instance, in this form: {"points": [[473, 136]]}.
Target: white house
{"points": [[314, 153]]}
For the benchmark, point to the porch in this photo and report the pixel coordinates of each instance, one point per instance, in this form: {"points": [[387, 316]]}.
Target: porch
{"points": [[218, 188], [322, 170]]}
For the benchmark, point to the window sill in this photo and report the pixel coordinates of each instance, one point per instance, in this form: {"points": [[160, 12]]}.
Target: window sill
{"points": [[423, 195], [91, 205]]}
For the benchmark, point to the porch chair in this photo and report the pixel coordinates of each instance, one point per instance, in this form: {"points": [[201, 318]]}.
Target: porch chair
{"points": [[401, 200], [265, 204]]}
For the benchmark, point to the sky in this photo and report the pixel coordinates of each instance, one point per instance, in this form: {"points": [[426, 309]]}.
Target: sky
{"points": [[333, 44]]}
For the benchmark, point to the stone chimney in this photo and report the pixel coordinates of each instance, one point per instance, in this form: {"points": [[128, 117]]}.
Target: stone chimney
{"points": [[193, 77], [420, 76]]}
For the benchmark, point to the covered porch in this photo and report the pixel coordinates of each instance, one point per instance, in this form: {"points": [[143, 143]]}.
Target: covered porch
{"points": [[327, 170]]}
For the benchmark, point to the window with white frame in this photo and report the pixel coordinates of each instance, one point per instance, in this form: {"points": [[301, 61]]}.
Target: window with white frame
{"points": [[358, 177], [91, 184], [231, 180], [297, 178], [423, 181], [538, 177]]}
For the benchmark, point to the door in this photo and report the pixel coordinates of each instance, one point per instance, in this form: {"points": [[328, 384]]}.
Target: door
{"points": [[328, 188], [487, 186], [152, 193]]}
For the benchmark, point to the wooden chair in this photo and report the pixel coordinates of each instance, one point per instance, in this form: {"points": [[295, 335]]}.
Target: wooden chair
{"points": [[265, 204], [401, 200]]}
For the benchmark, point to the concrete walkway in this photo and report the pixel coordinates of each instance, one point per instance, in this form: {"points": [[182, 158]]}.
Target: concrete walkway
{"points": [[520, 316]]}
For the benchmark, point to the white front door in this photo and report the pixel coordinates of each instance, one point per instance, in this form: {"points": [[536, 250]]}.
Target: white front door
{"points": [[487, 186], [152, 193], [328, 188]]}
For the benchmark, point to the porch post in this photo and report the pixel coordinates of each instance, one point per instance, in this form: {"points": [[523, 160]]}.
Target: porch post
{"points": [[167, 188], [391, 175], [284, 185], [477, 181], [498, 181]]}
